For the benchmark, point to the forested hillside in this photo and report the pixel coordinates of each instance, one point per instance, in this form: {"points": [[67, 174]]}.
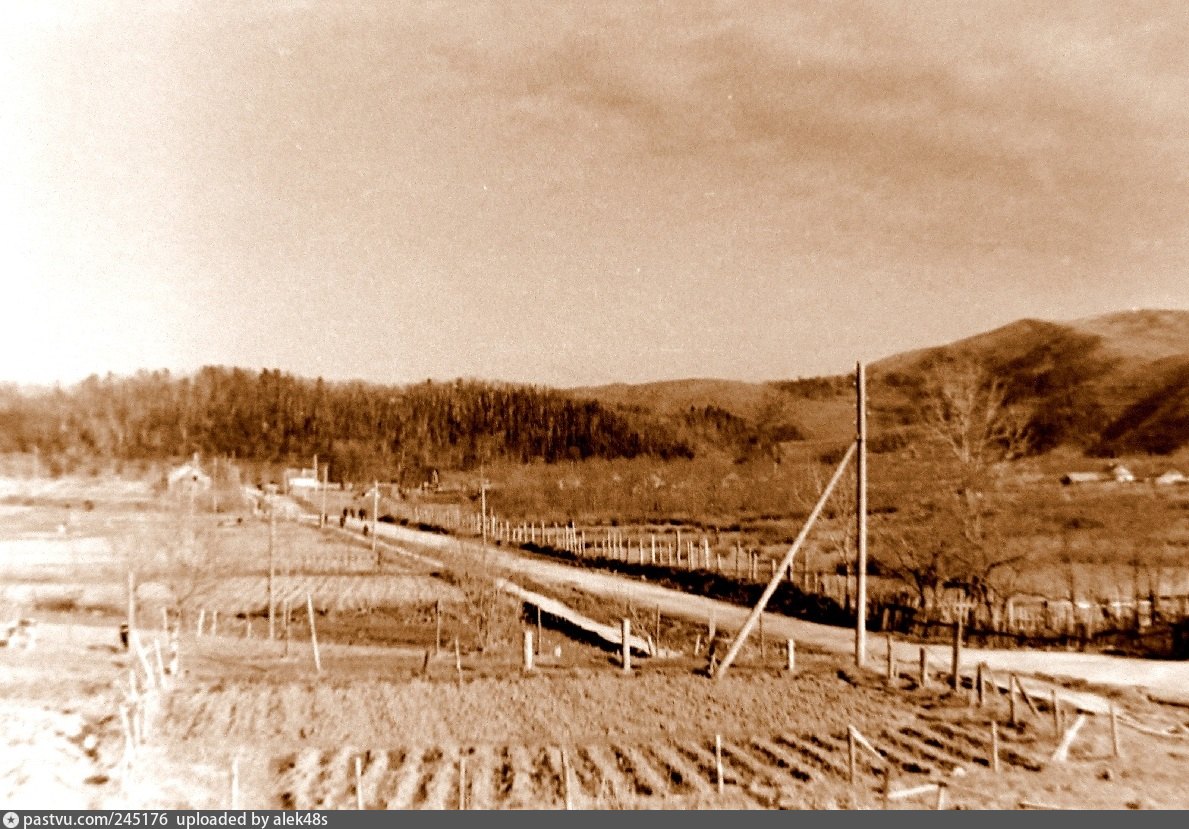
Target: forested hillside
{"points": [[360, 429]]}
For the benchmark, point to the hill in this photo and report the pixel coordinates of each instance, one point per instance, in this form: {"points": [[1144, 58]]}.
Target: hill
{"points": [[738, 397], [1113, 384], [1108, 385]]}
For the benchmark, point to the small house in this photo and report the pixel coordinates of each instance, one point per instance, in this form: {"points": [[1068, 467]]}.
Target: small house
{"points": [[1122, 474], [189, 477], [1170, 478], [301, 479], [1081, 478]]}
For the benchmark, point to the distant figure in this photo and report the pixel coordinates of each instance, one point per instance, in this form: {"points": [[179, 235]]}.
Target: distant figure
{"points": [[124, 635], [365, 530], [362, 515], [343, 520]]}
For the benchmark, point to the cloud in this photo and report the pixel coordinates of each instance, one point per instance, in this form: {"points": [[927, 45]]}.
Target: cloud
{"points": [[987, 142]]}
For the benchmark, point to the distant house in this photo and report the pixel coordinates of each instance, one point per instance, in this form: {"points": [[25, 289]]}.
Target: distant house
{"points": [[301, 479], [1081, 478], [1170, 478], [1122, 474], [189, 477]]}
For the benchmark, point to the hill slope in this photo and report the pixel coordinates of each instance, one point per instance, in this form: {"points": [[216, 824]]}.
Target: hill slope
{"points": [[1110, 384]]}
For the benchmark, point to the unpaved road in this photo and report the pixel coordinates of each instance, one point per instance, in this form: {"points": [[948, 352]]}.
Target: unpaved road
{"points": [[1163, 680]]}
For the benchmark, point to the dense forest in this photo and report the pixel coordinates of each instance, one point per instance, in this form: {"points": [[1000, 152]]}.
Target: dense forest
{"points": [[361, 429]]}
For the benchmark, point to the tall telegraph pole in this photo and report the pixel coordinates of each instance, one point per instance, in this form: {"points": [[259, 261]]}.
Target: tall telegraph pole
{"points": [[375, 509], [483, 507], [272, 570], [325, 485], [861, 514]]}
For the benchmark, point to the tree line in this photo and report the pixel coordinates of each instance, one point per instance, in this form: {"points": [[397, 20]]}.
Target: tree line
{"points": [[361, 429]]}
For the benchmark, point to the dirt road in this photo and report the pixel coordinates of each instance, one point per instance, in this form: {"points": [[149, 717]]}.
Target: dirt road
{"points": [[1164, 680]]}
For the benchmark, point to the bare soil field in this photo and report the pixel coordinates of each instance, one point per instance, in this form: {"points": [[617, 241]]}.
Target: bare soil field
{"points": [[436, 730]]}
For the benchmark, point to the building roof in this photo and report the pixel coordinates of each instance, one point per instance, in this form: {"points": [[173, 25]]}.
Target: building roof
{"points": [[188, 470]]}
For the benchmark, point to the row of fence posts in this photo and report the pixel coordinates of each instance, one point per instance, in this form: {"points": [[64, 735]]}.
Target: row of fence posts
{"points": [[678, 550], [141, 700], [984, 680]]}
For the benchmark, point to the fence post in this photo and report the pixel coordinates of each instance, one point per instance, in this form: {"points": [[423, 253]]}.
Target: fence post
{"points": [[658, 629], [957, 651], [462, 781], [235, 783], [437, 624], [358, 783], [1114, 732], [528, 650], [978, 679], [458, 661], [851, 758], [891, 666], [792, 655], [995, 746], [565, 780], [718, 761], [313, 634], [626, 632], [923, 671]]}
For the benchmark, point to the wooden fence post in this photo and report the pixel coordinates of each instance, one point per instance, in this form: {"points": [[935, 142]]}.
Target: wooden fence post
{"points": [[626, 632], [1114, 732], [978, 681], [718, 761], [458, 661], [358, 783], [923, 670], [528, 650], [1012, 695], [792, 655], [851, 754], [285, 626], [462, 781], [891, 662], [235, 783], [313, 634], [437, 623], [565, 780], [994, 746], [955, 679]]}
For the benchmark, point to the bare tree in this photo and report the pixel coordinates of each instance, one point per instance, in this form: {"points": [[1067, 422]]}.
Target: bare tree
{"points": [[965, 409], [182, 553]]}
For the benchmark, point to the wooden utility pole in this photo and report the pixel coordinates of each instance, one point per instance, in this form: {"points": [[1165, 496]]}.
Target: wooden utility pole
{"points": [[325, 485], [483, 508], [272, 571], [131, 604], [758, 610], [375, 509], [861, 514]]}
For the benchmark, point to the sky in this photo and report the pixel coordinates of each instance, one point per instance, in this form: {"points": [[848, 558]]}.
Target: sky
{"points": [[574, 193]]}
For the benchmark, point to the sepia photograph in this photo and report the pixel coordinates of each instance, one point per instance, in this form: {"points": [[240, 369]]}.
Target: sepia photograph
{"points": [[621, 405]]}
